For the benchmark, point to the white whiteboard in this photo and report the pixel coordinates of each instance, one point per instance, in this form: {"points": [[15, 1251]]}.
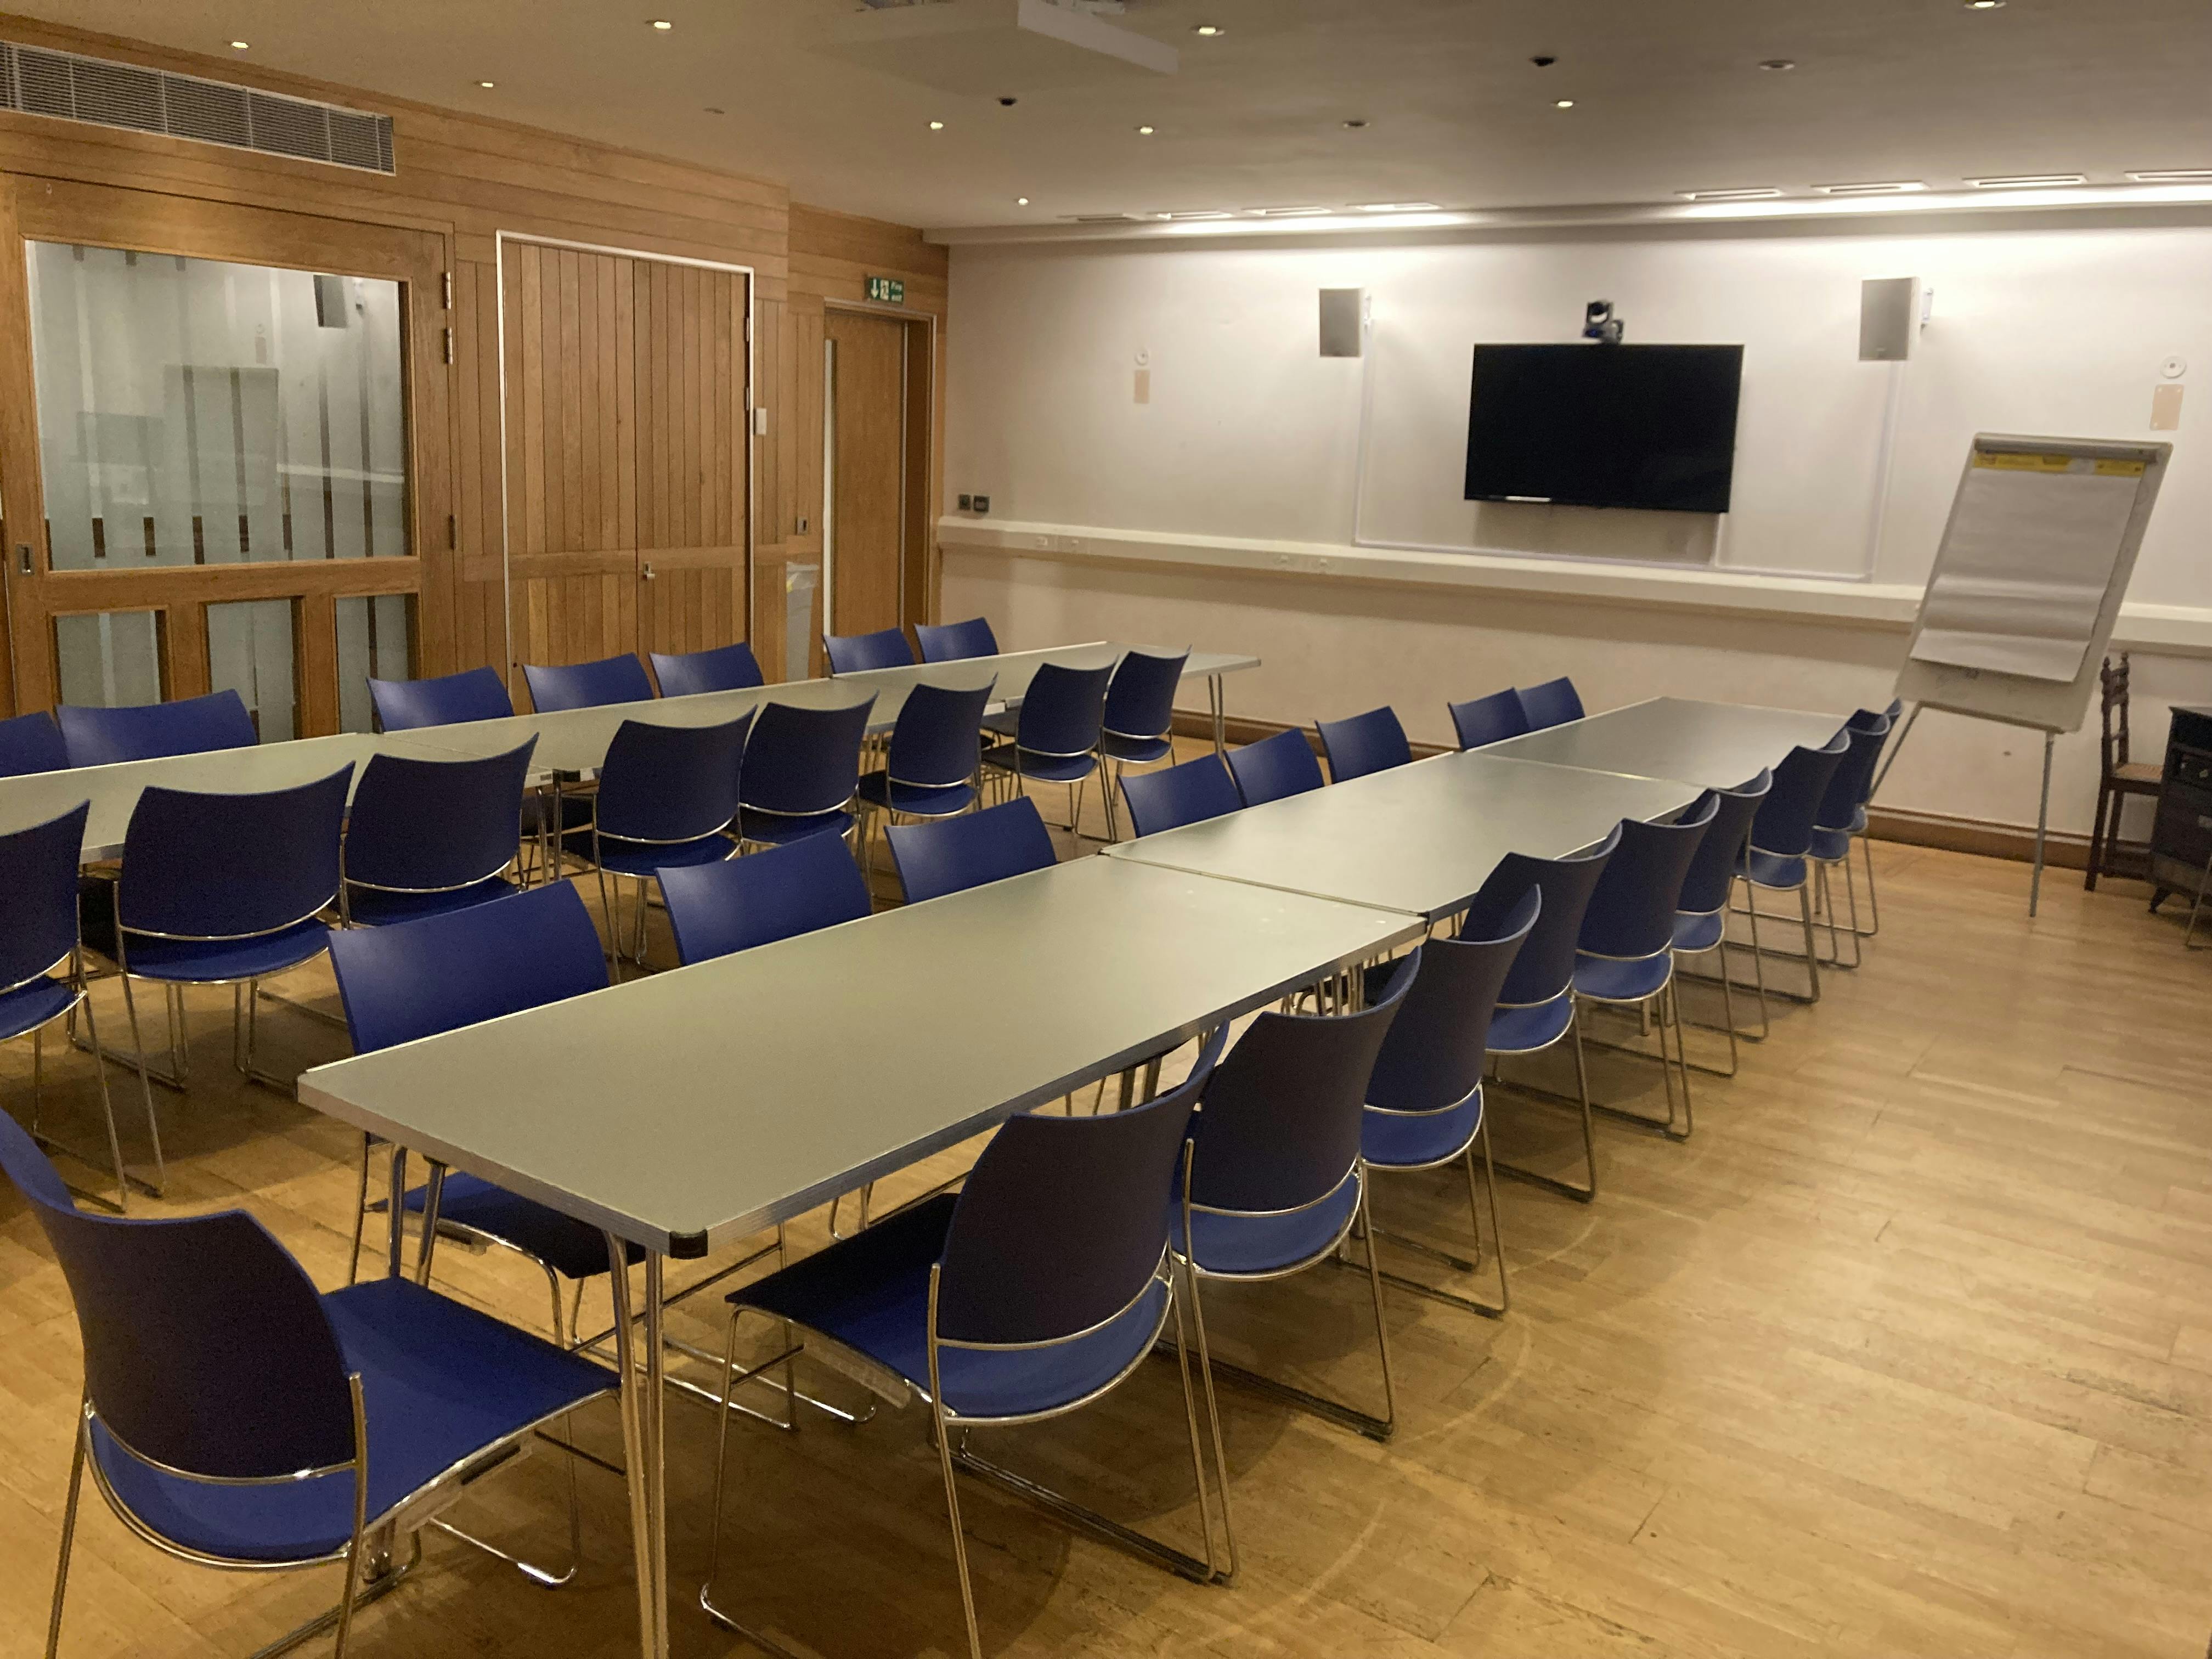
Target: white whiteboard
{"points": [[2028, 582]]}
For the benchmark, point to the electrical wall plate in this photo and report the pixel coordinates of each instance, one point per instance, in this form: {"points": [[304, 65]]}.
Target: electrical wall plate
{"points": [[982, 503]]}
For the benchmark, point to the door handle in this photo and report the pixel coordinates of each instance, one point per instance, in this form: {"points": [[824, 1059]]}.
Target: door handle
{"points": [[646, 574]]}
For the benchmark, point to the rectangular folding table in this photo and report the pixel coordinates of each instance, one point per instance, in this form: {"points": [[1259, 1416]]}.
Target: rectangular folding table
{"points": [[1716, 745]]}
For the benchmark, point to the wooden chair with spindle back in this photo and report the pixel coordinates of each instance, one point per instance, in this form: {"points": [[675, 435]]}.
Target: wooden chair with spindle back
{"points": [[2117, 777]]}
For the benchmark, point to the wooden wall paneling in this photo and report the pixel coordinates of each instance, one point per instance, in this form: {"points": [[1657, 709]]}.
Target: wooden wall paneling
{"points": [[22, 492], [868, 457]]}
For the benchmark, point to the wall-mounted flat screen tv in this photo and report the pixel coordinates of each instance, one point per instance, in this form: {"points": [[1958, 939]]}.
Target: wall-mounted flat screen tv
{"points": [[1646, 426]]}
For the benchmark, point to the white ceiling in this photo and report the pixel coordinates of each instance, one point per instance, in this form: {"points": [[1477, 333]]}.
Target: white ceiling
{"points": [[1668, 95]]}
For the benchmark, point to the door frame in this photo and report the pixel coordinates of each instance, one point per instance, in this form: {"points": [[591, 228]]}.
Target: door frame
{"points": [[500, 240], [917, 545]]}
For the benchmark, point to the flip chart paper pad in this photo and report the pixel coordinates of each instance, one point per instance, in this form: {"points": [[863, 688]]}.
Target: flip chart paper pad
{"points": [[2033, 545]]}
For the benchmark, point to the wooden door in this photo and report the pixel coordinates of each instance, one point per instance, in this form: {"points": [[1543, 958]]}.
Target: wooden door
{"points": [[865, 455], [627, 454]]}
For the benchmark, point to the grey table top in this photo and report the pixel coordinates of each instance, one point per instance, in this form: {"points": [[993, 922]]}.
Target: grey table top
{"points": [[1421, 838], [1717, 745], [697, 1106]]}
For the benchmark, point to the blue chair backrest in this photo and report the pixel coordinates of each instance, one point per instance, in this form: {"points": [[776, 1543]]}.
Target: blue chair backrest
{"points": [[31, 742], [1372, 742], [1275, 767], [779, 893], [1631, 910], [587, 684], [1140, 697], [424, 826], [1177, 795], [478, 694], [725, 668], [939, 739], [956, 642], [1705, 888], [149, 731], [800, 762], [1063, 711], [1853, 782], [1552, 704], [416, 979], [1279, 1127], [228, 866], [38, 895], [1438, 1045], [849, 653], [1061, 1223], [1785, 823], [1546, 967], [671, 783], [1489, 720], [952, 855], [206, 1349]]}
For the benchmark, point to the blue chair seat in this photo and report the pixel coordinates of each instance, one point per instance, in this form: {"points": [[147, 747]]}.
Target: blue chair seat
{"points": [[1831, 846], [374, 907], [1539, 1026], [870, 1292], [416, 1353], [641, 858], [1136, 749], [1229, 1243], [921, 800], [1051, 768], [1394, 1140], [206, 961], [28, 1007], [1694, 934], [1772, 869], [568, 1246], [779, 830], [1610, 979]]}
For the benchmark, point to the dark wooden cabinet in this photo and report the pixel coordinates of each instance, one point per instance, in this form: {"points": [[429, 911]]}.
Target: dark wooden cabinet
{"points": [[2181, 839]]}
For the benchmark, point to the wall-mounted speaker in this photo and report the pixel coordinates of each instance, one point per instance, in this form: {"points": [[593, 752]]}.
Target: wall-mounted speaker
{"points": [[1890, 316], [1343, 321]]}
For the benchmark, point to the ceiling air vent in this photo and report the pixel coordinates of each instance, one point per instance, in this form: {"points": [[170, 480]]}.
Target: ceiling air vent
{"points": [[72, 88]]}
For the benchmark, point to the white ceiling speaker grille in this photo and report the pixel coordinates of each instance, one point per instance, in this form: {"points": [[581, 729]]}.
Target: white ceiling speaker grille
{"points": [[72, 88]]}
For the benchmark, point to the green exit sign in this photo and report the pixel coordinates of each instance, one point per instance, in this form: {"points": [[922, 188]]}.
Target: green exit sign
{"points": [[887, 290]]}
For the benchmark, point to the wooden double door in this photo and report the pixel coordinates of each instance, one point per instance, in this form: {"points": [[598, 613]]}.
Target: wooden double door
{"points": [[628, 420]]}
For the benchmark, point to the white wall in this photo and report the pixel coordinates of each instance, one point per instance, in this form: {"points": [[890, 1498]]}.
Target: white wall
{"points": [[1222, 511]]}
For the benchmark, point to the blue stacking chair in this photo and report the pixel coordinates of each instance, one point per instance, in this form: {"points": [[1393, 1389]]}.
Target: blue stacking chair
{"points": [[1552, 704], [1137, 726], [31, 742], [778, 893], [1278, 1180], [1056, 737], [1489, 720], [154, 731], [1425, 1105], [802, 772], [424, 836], [666, 793], [725, 668], [1275, 767], [476, 694], [1841, 820], [587, 684], [930, 768], [234, 1418], [956, 642], [1624, 954], [1196, 790], [954, 854], [852, 654], [42, 975], [1779, 860], [1372, 742], [1029, 1295], [1536, 1006], [1701, 919]]}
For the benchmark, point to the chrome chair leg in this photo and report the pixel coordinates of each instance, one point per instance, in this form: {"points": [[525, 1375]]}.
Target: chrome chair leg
{"points": [[123, 1177], [361, 1212], [1497, 1310], [145, 1086], [1213, 1416], [68, 1535], [1811, 956], [1587, 1192], [1874, 900], [1758, 960]]}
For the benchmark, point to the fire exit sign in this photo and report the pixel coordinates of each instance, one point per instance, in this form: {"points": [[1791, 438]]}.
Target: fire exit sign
{"points": [[886, 290]]}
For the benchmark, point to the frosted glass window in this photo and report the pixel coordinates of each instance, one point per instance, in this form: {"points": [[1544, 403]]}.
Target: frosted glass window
{"points": [[192, 411], [250, 651], [375, 639], [113, 660]]}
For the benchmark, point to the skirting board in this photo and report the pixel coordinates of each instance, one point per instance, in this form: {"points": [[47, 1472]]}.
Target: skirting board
{"points": [[2015, 841]]}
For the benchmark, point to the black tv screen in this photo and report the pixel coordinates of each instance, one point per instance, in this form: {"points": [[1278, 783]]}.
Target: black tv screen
{"points": [[1648, 426]]}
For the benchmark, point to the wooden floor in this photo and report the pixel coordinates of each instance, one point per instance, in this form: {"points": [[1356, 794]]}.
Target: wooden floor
{"points": [[1908, 1352]]}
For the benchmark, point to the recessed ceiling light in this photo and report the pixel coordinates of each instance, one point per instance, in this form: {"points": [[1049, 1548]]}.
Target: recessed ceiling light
{"points": [[662, 23], [238, 46], [2029, 180], [2175, 176], [1286, 213], [1143, 133], [1778, 64], [1393, 207], [936, 126], [1021, 201], [1901, 187], [1209, 30], [1181, 215], [1358, 125], [1563, 103], [1984, 5], [486, 85], [1756, 193]]}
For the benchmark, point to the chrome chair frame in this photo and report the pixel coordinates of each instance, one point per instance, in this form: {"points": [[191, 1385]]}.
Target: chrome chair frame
{"points": [[1012, 780], [1588, 1191], [1464, 1156], [869, 811], [1727, 981], [80, 984]]}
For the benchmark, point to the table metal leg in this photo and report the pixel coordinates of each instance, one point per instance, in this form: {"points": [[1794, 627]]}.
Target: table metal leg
{"points": [[396, 1262], [639, 1399]]}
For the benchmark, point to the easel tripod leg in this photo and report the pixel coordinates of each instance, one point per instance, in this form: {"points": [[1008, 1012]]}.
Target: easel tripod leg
{"points": [[2042, 825]]}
